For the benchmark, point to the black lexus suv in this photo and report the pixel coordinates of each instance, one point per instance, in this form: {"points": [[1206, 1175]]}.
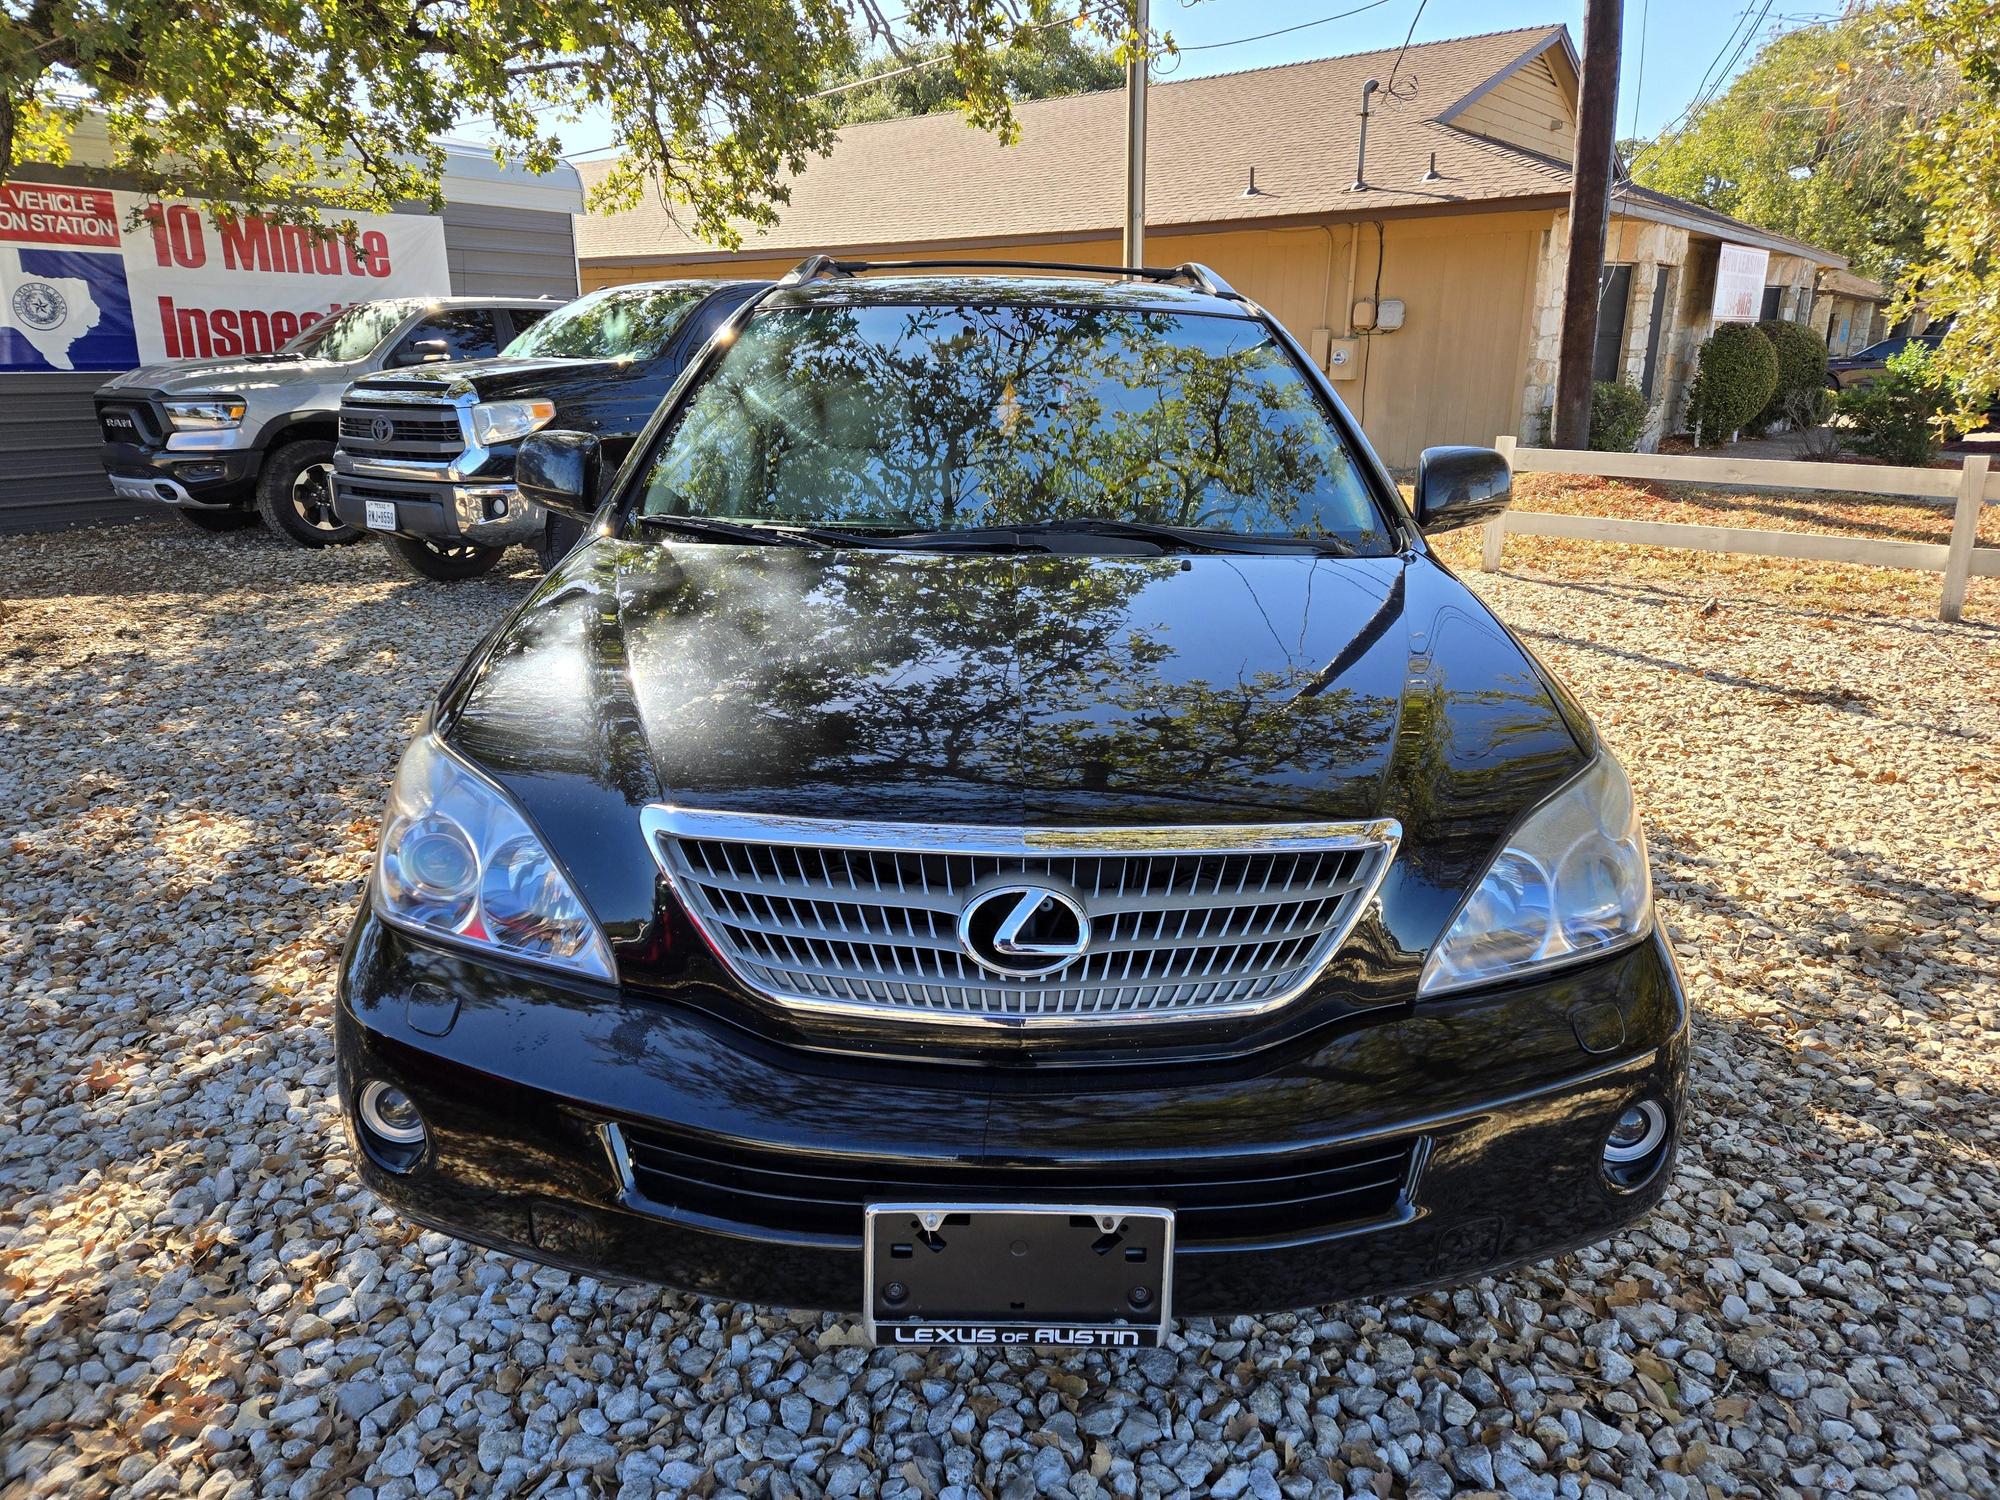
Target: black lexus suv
{"points": [[426, 455], [1004, 824]]}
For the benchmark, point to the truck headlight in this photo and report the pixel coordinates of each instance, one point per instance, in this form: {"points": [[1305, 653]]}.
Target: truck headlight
{"points": [[1571, 883], [503, 421], [205, 413], [458, 862]]}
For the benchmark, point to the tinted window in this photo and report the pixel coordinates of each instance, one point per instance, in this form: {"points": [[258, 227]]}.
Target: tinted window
{"points": [[950, 417], [467, 333], [616, 323], [1883, 350], [353, 333], [524, 318]]}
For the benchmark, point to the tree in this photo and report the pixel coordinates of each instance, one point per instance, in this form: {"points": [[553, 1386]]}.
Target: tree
{"points": [[1043, 65], [1814, 141], [1955, 172], [291, 105]]}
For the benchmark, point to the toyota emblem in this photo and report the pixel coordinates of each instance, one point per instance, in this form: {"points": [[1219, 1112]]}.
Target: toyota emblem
{"points": [[381, 429], [1024, 931]]}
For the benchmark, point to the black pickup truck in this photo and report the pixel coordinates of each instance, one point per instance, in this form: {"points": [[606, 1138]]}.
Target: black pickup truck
{"points": [[426, 455]]}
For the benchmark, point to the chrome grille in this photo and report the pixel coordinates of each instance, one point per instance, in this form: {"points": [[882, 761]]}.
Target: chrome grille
{"points": [[1183, 922], [416, 434]]}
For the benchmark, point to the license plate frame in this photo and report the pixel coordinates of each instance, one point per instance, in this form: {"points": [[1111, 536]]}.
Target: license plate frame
{"points": [[1042, 1280], [378, 515]]}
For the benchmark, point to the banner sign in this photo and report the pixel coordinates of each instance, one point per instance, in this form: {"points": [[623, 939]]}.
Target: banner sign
{"points": [[1739, 284], [92, 279]]}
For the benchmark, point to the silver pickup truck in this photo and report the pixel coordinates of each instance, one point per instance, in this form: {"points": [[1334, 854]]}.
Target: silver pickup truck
{"points": [[225, 440]]}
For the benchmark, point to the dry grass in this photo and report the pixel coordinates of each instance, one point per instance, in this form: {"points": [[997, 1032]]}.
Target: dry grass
{"points": [[1831, 586]]}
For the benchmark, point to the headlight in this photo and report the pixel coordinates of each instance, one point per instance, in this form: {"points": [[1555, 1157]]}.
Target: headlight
{"points": [[503, 421], [458, 862], [1571, 883], [206, 414]]}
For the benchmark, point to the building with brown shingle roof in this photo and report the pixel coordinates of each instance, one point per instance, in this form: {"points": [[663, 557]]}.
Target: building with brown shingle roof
{"points": [[1459, 213]]}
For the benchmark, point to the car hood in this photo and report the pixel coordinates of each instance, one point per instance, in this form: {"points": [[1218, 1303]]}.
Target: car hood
{"points": [[186, 376], [489, 377], [1049, 689]]}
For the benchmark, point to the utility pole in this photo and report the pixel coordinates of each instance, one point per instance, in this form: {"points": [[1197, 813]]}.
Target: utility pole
{"points": [[1589, 218], [1135, 137]]}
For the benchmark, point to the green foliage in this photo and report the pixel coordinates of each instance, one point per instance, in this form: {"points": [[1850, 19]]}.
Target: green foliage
{"points": [[1045, 65], [1812, 140], [1954, 166], [1738, 370], [290, 106], [1904, 413], [1801, 371], [1617, 416]]}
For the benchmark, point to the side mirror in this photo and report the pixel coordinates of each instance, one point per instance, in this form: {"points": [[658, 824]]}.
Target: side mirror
{"points": [[1460, 487], [423, 352], [559, 471]]}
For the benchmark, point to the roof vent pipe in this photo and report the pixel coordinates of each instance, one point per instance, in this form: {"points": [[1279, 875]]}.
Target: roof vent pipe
{"points": [[1432, 174], [1361, 155], [1253, 191]]}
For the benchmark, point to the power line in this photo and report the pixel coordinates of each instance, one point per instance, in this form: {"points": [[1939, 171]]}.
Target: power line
{"points": [[1283, 30], [1639, 83], [1389, 88]]}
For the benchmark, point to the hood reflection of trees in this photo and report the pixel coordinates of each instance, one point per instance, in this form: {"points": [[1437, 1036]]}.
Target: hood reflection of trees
{"points": [[987, 669]]}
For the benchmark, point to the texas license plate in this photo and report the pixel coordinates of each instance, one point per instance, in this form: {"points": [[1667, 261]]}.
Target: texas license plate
{"points": [[1076, 1276], [380, 514]]}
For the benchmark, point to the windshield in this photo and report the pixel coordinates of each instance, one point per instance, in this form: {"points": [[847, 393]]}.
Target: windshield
{"points": [[354, 333], [947, 417], [616, 323]]}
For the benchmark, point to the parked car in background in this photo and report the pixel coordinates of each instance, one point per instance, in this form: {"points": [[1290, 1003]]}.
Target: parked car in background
{"points": [[1847, 371], [426, 456], [1004, 823], [225, 440]]}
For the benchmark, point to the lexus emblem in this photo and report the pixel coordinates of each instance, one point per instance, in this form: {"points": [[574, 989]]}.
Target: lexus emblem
{"points": [[1024, 931], [381, 429]]}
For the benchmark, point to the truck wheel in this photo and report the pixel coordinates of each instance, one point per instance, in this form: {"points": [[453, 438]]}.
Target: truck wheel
{"points": [[218, 520], [295, 495], [445, 562], [559, 535]]}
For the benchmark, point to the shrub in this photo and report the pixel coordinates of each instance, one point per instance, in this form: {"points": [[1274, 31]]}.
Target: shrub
{"points": [[1801, 369], [1902, 414], [1617, 419], [1617, 416], [1737, 372]]}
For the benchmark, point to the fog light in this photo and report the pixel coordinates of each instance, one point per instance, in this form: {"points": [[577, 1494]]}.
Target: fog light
{"points": [[390, 1126], [1637, 1133]]}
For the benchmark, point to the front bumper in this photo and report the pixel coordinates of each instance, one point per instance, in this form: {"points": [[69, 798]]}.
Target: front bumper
{"points": [[630, 1137], [488, 512], [195, 479]]}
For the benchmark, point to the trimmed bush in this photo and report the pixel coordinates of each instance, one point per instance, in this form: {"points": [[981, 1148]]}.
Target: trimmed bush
{"points": [[1801, 370], [1737, 372], [1902, 414], [1617, 416], [1617, 419]]}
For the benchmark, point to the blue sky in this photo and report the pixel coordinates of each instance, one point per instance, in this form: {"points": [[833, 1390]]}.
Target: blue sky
{"points": [[1665, 55]]}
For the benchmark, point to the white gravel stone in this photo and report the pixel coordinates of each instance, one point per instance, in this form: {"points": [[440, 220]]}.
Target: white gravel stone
{"points": [[198, 733]]}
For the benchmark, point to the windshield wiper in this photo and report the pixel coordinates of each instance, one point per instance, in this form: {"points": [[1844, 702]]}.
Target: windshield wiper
{"points": [[1193, 538], [726, 531], [972, 539]]}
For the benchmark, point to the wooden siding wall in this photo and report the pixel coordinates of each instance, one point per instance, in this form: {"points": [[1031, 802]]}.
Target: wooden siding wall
{"points": [[1532, 110], [1451, 374], [52, 457]]}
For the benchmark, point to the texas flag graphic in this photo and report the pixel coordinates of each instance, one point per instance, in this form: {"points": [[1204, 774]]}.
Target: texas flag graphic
{"points": [[64, 310]]}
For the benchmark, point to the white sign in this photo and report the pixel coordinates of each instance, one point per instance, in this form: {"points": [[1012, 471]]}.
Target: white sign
{"points": [[1739, 284], [97, 280]]}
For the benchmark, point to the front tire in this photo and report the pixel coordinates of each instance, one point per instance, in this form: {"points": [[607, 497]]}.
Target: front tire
{"points": [[442, 562], [213, 521], [295, 495], [559, 535]]}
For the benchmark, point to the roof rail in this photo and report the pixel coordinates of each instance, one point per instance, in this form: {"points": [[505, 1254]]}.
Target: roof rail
{"points": [[1190, 273]]}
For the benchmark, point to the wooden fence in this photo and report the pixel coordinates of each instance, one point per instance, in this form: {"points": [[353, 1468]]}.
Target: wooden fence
{"points": [[1959, 560]]}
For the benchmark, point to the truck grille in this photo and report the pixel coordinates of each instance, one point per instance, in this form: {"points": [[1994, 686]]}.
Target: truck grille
{"points": [[1214, 1200], [881, 919], [400, 432]]}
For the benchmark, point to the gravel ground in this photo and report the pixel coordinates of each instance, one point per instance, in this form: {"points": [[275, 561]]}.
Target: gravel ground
{"points": [[196, 1298]]}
